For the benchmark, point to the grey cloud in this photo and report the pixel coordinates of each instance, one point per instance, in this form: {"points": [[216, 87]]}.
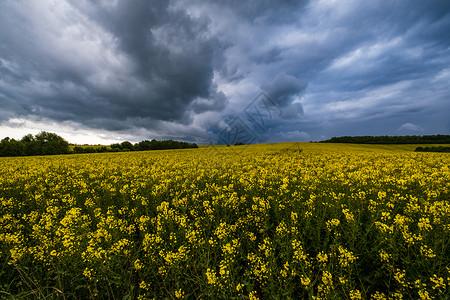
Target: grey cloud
{"points": [[284, 88], [169, 62], [265, 10], [293, 111], [176, 66], [404, 58], [216, 103], [410, 127]]}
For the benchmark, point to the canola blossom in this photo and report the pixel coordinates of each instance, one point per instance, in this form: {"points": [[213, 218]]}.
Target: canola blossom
{"points": [[294, 220]]}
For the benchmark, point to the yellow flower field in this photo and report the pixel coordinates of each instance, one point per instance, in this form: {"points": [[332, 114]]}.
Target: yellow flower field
{"points": [[294, 220]]}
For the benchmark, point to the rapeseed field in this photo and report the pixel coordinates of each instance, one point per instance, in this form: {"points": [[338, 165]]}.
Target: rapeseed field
{"points": [[281, 221]]}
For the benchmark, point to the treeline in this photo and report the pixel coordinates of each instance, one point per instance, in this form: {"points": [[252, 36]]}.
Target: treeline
{"points": [[141, 146], [408, 139], [433, 149], [46, 143]]}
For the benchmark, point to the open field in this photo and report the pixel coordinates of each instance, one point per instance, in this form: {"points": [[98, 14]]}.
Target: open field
{"points": [[276, 221]]}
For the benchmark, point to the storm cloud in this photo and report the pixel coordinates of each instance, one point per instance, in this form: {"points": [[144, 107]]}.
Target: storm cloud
{"points": [[186, 70]]}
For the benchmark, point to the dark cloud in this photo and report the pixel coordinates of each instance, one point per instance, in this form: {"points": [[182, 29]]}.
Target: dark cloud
{"points": [[284, 88], [167, 61], [263, 10], [186, 69]]}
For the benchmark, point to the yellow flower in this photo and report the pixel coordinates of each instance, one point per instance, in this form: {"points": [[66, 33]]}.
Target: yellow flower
{"points": [[239, 287], [252, 296], [332, 223], [145, 286], [348, 214], [355, 295], [378, 296], [396, 295], [399, 276], [88, 273], [327, 279], [438, 282], [211, 277], [179, 294], [424, 224], [137, 264], [423, 294], [322, 257], [305, 280], [384, 256], [427, 252], [345, 257]]}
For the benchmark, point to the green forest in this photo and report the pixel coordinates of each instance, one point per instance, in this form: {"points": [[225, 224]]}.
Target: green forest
{"points": [[385, 139], [433, 149], [46, 143]]}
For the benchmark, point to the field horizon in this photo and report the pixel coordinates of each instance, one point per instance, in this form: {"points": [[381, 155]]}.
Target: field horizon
{"points": [[262, 221]]}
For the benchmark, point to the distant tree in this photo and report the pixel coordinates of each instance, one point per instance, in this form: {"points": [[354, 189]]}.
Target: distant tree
{"points": [[90, 150], [126, 146], [116, 146], [5, 147], [143, 145], [11, 147], [78, 149], [30, 145], [102, 149], [408, 139], [433, 149], [51, 143]]}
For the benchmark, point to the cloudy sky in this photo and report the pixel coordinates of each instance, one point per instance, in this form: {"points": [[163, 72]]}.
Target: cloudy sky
{"points": [[216, 71]]}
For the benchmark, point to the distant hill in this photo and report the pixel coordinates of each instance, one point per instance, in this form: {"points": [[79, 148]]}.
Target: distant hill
{"points": [[408, 139]]}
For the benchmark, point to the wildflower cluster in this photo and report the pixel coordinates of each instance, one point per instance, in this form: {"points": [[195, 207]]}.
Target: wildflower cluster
{"points": [[329, 222]]}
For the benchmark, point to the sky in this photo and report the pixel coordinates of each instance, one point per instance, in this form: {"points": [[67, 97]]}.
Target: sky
{"points": [[219, 72]]}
